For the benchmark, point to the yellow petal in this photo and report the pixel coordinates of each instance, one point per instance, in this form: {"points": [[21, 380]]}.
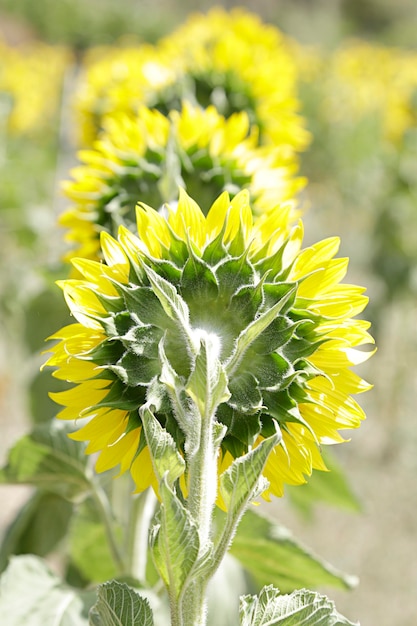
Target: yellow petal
{"points": [[114, 454], [103, 423], [99, 274], [86, 394], [187, 220], [114, 255], [142, 471], [313, 257], [323, 279]]}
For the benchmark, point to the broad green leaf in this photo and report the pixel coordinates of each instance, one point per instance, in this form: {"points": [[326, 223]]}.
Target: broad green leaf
{"points": [[120, 605], [330, 487], [175, 542], [88, 544], [37, 528], [207, 384], [270, 554], [304, 607], [253, 331], [48, 459], [31, 594], [166, 459], [241, 481]]}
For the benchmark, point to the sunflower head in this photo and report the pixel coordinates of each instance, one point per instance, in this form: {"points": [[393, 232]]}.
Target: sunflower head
{"points": [[227, 59], [118, 80], [224, 59], [148, 155], [282, 323], [31, 78]]}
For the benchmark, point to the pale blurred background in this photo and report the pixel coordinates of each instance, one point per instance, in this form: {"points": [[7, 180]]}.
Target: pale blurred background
{"points": [[363, 187]]}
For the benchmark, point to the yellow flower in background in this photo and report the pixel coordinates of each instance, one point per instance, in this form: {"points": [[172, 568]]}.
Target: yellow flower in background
{"points": [[230, 60], [365, 79], [220, 274], [31, 82], [149, 155], [118, 80], [236, 62], [310, 61]]}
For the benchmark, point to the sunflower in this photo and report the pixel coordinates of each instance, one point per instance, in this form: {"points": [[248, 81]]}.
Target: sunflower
{"points": [[228, 272], [236, 62], [372, 82], [148, 155], [227, 59], [31, 81], [118, 80]]}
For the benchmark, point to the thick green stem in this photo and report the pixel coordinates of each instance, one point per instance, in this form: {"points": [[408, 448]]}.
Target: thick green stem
{"points": [[203, 483], [194, 605], [201, 502]]}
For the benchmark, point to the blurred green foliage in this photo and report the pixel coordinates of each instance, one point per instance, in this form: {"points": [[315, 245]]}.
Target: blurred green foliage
{"points": [[81, 23]]}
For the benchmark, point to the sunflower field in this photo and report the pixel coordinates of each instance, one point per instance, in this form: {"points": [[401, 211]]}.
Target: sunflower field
{"points": [[206, 228]]}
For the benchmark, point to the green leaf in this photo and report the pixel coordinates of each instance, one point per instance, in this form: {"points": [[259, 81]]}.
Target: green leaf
{"points": [[270, 554], [241, 482], [134, 370], [38, 527], [88, 545], [253, 331], [234, 273], [246, 301], [31, 594], [175, 542], [207, 384], [330, 487], [301, 607], [144, 306], [48, 459], [176, 391], [119, 605], [277, 334], [199, 279], [143, 340], [174, 306], [166, 459], [246, 397]]}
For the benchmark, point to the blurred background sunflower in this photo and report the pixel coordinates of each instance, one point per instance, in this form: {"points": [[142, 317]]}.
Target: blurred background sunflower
{"points": [[349, 68]]}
